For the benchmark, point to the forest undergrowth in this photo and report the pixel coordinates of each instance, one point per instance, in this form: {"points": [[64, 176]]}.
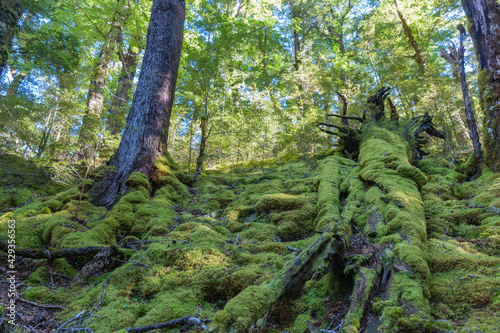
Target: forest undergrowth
{"points": [[313, 243]]}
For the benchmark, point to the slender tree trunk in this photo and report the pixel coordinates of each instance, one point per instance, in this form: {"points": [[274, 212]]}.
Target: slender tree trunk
{"points": [[469, 112], [119, 102], [412, 42], [191, 132], [146, 133], [294, 8], [484, 28], [203, 144], [451, 56], [95, 94], [345, 121]]}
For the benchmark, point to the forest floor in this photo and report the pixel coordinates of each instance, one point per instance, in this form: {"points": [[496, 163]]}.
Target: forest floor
{"points": [[296, 246]]}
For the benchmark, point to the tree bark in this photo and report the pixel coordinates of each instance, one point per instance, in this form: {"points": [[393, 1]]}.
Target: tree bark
{"points": [[484, 28], [145, 137], [119, 103]]}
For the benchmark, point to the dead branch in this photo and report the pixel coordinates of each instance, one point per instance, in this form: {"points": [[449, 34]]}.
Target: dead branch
{"points": [[191, 321]]}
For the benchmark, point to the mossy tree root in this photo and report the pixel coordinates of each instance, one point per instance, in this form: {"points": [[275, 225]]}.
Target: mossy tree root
{"points": [[58, 253]]}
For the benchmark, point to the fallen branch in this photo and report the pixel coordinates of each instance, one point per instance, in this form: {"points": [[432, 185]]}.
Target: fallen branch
{"points": [[444, 239], [192, 321], [48, 307]]}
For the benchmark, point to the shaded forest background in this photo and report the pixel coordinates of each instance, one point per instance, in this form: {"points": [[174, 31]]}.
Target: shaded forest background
{"points": [[255, 76]]}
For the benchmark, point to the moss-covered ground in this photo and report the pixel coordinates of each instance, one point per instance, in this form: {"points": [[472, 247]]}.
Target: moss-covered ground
{"points": [[387, 245]]}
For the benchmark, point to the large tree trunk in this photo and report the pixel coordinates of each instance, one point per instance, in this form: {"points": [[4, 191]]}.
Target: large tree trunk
{"points": [[119, 103], [484, 28], [145, 136]]}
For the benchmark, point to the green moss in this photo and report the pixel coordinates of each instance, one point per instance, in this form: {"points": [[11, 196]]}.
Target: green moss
{"points": [[325, 153], [242, 311], [412, 304], [137, 179], [218, 285], [41, 275], [169, 305], [259, 232], [279, 201], [413, 173], [414, 257], [63, 267], [14, 197], [328, 204], [44, 295], [196, 233], [433, 167], [300, 186], [363, 285], [300, 323], [44, 210], [470, 167], [456, 176], [56, 227]]}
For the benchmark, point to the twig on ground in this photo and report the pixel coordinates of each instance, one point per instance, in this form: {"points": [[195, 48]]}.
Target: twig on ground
{"points": [[129, 261], [444, 239], [339, 327], [82, 316]]}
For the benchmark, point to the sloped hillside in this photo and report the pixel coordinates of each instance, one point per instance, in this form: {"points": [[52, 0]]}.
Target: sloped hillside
{"points": [[310, 244]]}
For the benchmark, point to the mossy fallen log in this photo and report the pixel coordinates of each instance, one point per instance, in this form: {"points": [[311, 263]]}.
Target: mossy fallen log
{"points": [[242, 311], [396, 225], [58, 253]]}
